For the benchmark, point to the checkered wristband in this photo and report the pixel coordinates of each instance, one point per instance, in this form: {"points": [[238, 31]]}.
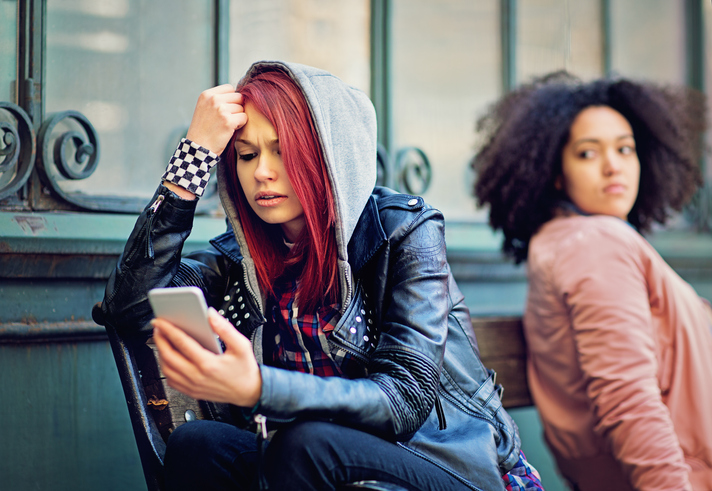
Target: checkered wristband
{"points": [[190, 167]]}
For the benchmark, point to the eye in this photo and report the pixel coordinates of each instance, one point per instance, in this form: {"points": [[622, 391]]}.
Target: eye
{"points": [[586, 154], [246, 156], [627, 150]]}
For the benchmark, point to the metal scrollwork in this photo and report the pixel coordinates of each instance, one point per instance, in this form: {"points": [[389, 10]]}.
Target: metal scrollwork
{"points": [[10, 140], [18, 150], [383, 164], [410, 171], [75, 154], [699, 210], [414, 170], [83, 151]]}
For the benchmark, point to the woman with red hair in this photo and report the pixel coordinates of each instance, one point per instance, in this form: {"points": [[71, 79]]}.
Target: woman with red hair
{"points": [[347, 343]]}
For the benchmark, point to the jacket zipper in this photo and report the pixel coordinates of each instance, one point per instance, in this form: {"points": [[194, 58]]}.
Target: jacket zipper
{"points": [[440, 412], [261, 422], [149, 224], [257, 301]]}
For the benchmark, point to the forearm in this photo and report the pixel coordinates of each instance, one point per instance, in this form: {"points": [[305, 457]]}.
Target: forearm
{"points": [[150, 259], [360, 403], [183, 193], [642, 438]]}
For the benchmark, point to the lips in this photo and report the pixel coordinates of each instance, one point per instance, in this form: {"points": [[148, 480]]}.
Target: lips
{"points": [[269, 198], [269, 195], [615, 188]]}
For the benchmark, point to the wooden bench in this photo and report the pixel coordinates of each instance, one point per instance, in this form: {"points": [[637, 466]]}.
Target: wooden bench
{"points": [[502, 348], [155, 409]]}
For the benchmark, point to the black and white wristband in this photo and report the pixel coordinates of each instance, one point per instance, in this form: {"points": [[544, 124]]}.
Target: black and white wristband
{"points": [[190, 167]]}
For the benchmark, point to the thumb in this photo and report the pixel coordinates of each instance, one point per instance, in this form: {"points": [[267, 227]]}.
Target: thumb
{"points": [[227, 332]]}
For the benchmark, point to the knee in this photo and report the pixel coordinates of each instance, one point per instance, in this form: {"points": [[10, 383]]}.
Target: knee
{"points": [[304, 438], [189, 441], [303, 444]]}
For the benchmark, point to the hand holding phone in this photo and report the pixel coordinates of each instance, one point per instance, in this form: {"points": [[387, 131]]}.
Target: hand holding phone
{"points": [[185, 307]]}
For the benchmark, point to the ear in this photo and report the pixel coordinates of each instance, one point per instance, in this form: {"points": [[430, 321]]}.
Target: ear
{"points": [[559, 182]]}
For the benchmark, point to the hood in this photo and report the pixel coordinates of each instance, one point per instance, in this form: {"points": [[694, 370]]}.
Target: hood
{"points": [[346, 124]]}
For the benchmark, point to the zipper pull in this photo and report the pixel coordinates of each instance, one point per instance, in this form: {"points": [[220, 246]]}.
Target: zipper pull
{"points": [[261, 425], [157, 203], [442, 423], [261, 438], [149, 224]]}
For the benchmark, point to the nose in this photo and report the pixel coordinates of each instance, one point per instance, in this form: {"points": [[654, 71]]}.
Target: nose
{"points": [[611, 163], [265, 170]]}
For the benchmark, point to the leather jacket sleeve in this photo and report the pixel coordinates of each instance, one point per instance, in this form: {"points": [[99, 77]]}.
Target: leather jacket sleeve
{"points": [[152, 259], [398, 394]]}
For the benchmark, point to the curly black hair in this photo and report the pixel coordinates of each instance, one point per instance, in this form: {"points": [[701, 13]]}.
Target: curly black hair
{"points": [[525, 131]]}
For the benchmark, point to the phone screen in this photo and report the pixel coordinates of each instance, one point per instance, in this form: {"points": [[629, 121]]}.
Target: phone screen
{"points": [[186, 308]]}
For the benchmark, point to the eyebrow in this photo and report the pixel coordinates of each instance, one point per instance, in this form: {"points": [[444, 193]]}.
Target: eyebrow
{"points": [[274, 141], [596, 140]]}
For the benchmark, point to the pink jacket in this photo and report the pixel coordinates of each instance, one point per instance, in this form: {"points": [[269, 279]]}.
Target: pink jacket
{"points": [[620, 359]]}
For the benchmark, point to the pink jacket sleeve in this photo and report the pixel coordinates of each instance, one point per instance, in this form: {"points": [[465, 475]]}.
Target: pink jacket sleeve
{"points": [[603, 281]]}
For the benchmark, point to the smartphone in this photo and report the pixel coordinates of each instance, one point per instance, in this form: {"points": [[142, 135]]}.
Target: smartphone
{"points": [[186, 308]]}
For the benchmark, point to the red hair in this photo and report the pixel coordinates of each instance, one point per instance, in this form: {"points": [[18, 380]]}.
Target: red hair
{"points": [[276, 96]]}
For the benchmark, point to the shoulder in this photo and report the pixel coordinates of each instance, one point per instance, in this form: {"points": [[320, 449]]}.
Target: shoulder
{"points": [[571, 248], [404, 222], [586, 234], [400, 213]]}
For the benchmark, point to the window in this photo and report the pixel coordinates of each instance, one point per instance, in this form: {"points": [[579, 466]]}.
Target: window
{"points": [[8, 51], [445, 67], [558, 34], [134, 70], [648, 39], [329, 35]]}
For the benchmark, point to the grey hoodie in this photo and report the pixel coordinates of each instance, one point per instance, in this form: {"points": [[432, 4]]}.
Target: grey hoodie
{"points": [[346, 124]]}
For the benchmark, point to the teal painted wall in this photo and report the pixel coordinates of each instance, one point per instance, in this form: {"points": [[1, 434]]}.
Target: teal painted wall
{"points": [[64, 425]]}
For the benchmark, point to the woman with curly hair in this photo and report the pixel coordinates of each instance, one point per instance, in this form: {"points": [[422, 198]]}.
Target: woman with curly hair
{"points": [[619, 345]]}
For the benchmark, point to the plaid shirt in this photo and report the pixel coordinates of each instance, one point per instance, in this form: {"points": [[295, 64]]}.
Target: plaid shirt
{"points": [[522, 477], [297, 341]]}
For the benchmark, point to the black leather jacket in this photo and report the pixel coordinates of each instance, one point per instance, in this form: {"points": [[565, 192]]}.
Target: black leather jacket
{"points": [[422, 383]]}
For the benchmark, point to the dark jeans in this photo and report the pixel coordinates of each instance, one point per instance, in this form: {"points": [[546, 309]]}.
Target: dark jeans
{"points": [[304, 456]]}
